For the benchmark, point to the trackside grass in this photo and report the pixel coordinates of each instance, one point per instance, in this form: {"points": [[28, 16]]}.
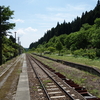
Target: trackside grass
{"points": [[80, 60]]}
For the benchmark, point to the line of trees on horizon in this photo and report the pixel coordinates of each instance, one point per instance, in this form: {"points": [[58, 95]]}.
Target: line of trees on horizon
{"points": [[85, 42], [69, 27], [8, 46]]}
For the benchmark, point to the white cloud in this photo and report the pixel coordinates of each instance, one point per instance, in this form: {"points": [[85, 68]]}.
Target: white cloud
{"points": [[45, 21], [81, 7], [27, 39], [20, 31], [30, 29], [23, 31], [56, 17], [27, 35], [18, 20], [69, 7], [55, 9], [59, 14]]}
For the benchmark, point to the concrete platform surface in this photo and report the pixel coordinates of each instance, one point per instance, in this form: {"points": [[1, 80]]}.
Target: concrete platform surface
{"points": [[23, 85]]}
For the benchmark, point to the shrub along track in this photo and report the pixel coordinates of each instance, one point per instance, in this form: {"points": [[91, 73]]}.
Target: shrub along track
{"points": [[85, 79], [9, 78]]}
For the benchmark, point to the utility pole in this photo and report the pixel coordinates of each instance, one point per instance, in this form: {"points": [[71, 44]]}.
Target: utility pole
{"points": [[15, 37], [19, 44], [18, 40], [0, 38]]}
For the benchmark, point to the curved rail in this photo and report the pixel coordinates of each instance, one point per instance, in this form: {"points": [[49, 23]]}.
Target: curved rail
{"points": [[79, 89], [39, 79], [55, 81], [61, 88], [89, 69]]}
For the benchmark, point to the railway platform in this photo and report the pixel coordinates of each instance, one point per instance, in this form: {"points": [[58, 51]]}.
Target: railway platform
{"points": [[23, 85]]}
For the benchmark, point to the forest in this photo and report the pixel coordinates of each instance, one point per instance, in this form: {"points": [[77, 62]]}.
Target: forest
{"points": [[67, 27], [8, 46], [85, 42], [81, 37]]}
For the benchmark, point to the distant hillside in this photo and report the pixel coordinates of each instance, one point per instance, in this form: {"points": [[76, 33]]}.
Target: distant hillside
{"points": [[67, 27]]}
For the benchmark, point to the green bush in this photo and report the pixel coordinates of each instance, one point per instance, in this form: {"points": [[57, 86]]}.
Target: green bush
{"points": [[90, 53], [98, 52], [79, 52], [3, 59]]}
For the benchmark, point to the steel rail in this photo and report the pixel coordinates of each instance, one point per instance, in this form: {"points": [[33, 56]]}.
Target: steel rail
{"points": [[39, 79], [53, 79], [89, 96]]}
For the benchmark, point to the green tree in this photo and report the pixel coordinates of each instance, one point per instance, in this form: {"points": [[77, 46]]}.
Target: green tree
{"points": [[9, 48], [97, 22], [5, 15], [59, 46], [85, 26], [12, 39], [33, 49], [62, 38], [51, 49], [95, 41], [40, 49]]}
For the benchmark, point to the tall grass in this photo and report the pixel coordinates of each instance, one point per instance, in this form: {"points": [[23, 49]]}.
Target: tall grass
{"points": [[80, 60]]}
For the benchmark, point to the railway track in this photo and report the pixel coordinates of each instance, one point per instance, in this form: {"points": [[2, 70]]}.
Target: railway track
{"points": [[50, 86], [76, 87], [89, 69], [8, 70]]}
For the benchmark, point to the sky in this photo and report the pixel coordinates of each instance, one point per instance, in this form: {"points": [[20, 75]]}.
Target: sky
{"points": [[34, 17]]}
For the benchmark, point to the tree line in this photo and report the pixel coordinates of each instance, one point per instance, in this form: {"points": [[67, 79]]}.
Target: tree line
{"points": [[85, 42], [69, 27], [8, 46]]}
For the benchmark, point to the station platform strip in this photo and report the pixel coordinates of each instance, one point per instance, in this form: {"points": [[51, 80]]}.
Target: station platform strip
{"points": [[23, 92]]}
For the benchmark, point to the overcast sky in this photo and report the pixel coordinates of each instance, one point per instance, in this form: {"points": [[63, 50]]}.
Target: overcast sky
{"points": [[34, 17]]}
